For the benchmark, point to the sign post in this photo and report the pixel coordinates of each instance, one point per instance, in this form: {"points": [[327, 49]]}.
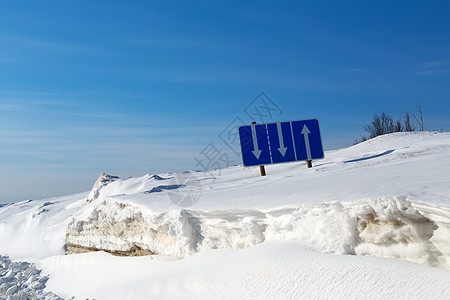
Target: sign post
{"points": [[273, 143]]}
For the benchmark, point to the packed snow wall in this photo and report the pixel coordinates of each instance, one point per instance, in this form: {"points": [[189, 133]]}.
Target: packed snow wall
{"points": [[387, 227]]}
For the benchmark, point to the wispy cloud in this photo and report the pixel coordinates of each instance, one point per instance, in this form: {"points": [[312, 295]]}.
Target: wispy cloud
{"points": [[115, 95], [32, 103], [26, 42], [431, 68], [9, 106], [168, 131], [102, 115]]}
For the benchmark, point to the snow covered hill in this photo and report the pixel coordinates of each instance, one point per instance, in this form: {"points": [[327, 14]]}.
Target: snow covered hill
{"points": [[336, 230]]}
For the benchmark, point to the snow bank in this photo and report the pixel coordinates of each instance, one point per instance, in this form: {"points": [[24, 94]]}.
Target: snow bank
{"points": [[125, 229], [386, 227]]}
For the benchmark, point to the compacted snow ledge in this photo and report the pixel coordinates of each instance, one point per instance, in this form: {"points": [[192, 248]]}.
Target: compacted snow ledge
{"points": [[386, 227]]}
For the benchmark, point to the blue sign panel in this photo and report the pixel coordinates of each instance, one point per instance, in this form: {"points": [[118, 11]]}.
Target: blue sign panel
{"points": [[272, 143]]}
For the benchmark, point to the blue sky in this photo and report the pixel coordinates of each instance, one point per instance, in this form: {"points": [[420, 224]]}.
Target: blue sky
{"points": [[140, 87]]}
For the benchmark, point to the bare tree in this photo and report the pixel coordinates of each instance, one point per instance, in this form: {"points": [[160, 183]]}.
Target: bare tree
{"points": [[375, 128], [398, 127], [408, 125], [382, 125], [419, 118]]}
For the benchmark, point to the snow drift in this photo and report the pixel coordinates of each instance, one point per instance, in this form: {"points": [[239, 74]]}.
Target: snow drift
{"points": [[387, 227]]}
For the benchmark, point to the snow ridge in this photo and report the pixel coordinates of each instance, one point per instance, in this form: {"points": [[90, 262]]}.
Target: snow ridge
{"points": [[103, 180], [387, 227]]}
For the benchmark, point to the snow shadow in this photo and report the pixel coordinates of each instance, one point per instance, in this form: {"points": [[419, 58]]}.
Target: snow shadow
{"points": [[157, 177], [370, 157], [161, 188]]}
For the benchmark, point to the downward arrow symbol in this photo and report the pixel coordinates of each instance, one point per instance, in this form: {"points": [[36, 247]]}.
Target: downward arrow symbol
{"points": [[256, 151], [306, 132], [282, 149]]}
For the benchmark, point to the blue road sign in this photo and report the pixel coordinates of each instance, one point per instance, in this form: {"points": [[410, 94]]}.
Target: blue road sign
{"points": [[272, 143]]}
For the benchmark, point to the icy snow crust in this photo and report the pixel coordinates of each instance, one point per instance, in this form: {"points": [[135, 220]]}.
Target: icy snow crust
{"points": [[385, 198]]}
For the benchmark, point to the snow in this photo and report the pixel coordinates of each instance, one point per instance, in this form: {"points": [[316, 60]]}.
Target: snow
{"points": [[102, 181], [273, 270], [21, 280], [41, 224], [388, 227], [371, 220]]}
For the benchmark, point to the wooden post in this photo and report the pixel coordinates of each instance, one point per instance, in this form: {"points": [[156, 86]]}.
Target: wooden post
{"points": [[261, 168], [309, 163]]}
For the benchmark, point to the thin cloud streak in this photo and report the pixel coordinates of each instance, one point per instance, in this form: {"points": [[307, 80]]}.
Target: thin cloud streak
{"points": [[103, 115], [431, 68], [6, 106], [28, 43]]}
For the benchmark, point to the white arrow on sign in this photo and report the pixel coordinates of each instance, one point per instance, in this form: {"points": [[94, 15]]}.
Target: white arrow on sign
{"points": [[306, 132], [282, 149], [256, 151]]}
